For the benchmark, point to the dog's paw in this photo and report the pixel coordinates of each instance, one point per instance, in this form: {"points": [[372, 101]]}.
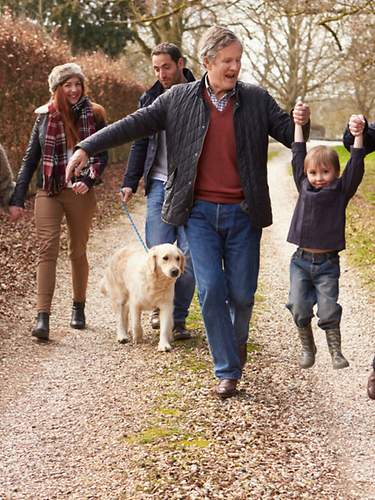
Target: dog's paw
{"points": [[123, 340], [122, 337], [164, 347]]}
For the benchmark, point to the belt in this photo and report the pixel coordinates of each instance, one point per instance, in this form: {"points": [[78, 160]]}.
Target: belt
{"points": [[315, 257]]}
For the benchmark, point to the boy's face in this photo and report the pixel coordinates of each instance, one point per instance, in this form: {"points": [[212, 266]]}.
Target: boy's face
{"points": [[321, 176]]}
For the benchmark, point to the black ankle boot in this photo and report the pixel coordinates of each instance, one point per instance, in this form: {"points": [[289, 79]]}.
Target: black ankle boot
{"points": [[41, 329], [78, 316]]}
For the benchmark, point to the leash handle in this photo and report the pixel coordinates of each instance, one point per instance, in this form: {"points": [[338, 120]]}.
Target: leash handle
{"points": [[126, 210]]}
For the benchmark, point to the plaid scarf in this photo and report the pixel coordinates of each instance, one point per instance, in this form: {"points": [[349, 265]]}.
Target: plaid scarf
{"points": [[55, 153]]}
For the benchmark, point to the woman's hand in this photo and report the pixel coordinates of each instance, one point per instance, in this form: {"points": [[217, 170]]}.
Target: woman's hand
{"points": [[80, 187], [15, 213]]}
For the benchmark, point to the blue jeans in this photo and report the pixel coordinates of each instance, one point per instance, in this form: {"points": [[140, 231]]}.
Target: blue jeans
{"points": [[314, 283], [158, 232], [225, 252]]}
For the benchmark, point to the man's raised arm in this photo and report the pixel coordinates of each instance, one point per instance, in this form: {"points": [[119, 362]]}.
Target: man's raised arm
{"points": [[141, 123]]}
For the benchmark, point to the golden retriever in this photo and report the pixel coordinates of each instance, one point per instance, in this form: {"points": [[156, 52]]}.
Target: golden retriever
{"points": [[138, 282]]}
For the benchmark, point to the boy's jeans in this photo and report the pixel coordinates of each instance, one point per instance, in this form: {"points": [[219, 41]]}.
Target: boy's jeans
{"points": [[158, 232], [314, 281], [225, 252]]}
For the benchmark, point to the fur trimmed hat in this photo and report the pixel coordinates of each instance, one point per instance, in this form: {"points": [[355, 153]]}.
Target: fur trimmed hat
{"points": [[63, 72]]}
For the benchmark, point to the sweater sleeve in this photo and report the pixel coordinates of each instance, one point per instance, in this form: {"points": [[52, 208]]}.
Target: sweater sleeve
{"points": [[353, 173], [298, 159]]}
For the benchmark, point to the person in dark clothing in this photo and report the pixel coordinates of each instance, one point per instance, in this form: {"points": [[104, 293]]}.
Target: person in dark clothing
{"points": [[6, 179], [318, 228], [353, 128], [148, 158], [217, 132]]}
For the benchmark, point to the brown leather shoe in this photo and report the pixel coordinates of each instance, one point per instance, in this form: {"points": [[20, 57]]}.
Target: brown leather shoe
{"points": [[371, 385], [243, 355], [226, 388]]}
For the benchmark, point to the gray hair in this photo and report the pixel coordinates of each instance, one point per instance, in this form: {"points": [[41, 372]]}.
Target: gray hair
{"points": [[215, 39]]}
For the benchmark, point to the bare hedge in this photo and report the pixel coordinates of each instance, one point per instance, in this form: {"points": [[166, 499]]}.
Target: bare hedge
{"points": [[27, 55]]}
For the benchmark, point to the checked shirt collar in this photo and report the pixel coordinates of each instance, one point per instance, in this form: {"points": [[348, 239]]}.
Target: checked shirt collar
{"points": [[219, 103]]}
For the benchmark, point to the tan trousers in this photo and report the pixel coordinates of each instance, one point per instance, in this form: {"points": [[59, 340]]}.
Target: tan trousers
{"points": [[49, 212]]}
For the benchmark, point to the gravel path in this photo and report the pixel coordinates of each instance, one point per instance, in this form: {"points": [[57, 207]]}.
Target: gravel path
{"points": [[85, 418]]}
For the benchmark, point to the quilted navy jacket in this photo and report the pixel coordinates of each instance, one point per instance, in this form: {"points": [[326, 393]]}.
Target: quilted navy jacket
{"points": [[182, 112]]}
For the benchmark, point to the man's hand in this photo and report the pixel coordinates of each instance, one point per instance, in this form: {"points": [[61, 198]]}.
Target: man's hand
{"points": [[356, 125], [301, 113], [126, 194], [15, 212], [76, 163]]}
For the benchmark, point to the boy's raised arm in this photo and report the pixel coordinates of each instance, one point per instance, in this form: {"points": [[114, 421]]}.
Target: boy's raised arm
{"points": [[298, 113]]}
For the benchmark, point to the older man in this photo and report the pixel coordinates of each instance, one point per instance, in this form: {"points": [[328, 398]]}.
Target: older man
{"points": [[217, 139]]}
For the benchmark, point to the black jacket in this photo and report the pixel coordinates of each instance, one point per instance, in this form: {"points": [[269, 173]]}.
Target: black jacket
{"points": [[319, 217], [32, 159], [182, 112], [368, 138], [143, 152]]}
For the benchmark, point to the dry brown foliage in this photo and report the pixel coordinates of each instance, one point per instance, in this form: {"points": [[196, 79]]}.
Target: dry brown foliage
{"points": [[27, 55]]}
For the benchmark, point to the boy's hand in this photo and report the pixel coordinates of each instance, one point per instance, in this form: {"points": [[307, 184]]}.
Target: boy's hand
{"points": [[301, 113], [356, 125]]}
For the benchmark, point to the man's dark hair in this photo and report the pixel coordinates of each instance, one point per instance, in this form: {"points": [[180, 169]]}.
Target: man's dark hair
{"points": [[167, 48]]}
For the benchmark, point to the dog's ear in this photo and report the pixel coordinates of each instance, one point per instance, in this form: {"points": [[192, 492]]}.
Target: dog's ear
{"points": [[151, 261], [182, 262]]}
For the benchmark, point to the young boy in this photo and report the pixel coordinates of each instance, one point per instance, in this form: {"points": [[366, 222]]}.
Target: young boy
{"points": [[318, 228]]}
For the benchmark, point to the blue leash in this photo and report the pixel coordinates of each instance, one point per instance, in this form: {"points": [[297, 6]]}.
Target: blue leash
{"points": [[126, 210]]}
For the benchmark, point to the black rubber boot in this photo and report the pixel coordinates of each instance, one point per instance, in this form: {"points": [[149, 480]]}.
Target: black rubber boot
{"points": [[334, 346], [307, 356], [41, 330], [78, 316]]}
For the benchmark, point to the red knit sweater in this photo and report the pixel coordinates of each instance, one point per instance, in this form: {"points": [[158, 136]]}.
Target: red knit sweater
{"points": [[217, 179]]}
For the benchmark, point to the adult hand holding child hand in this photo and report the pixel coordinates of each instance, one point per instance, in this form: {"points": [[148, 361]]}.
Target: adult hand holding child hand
{"points": [[301, 113], [356, 124]]}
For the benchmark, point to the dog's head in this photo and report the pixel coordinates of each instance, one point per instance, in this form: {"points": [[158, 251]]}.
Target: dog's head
{"points": [[166, 259]]}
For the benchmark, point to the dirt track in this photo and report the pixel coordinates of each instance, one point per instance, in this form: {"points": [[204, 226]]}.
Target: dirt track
{"points": [[83, 417]]}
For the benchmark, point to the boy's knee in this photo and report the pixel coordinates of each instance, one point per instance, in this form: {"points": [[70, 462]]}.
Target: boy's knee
{"points": [[301, 316]]}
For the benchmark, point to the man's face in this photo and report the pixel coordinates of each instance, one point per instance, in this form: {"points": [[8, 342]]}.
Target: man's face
{"points": [[167, 71], [223, 71]]}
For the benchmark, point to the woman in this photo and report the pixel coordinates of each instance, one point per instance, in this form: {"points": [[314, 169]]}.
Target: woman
{"points": [[68, 118]]}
